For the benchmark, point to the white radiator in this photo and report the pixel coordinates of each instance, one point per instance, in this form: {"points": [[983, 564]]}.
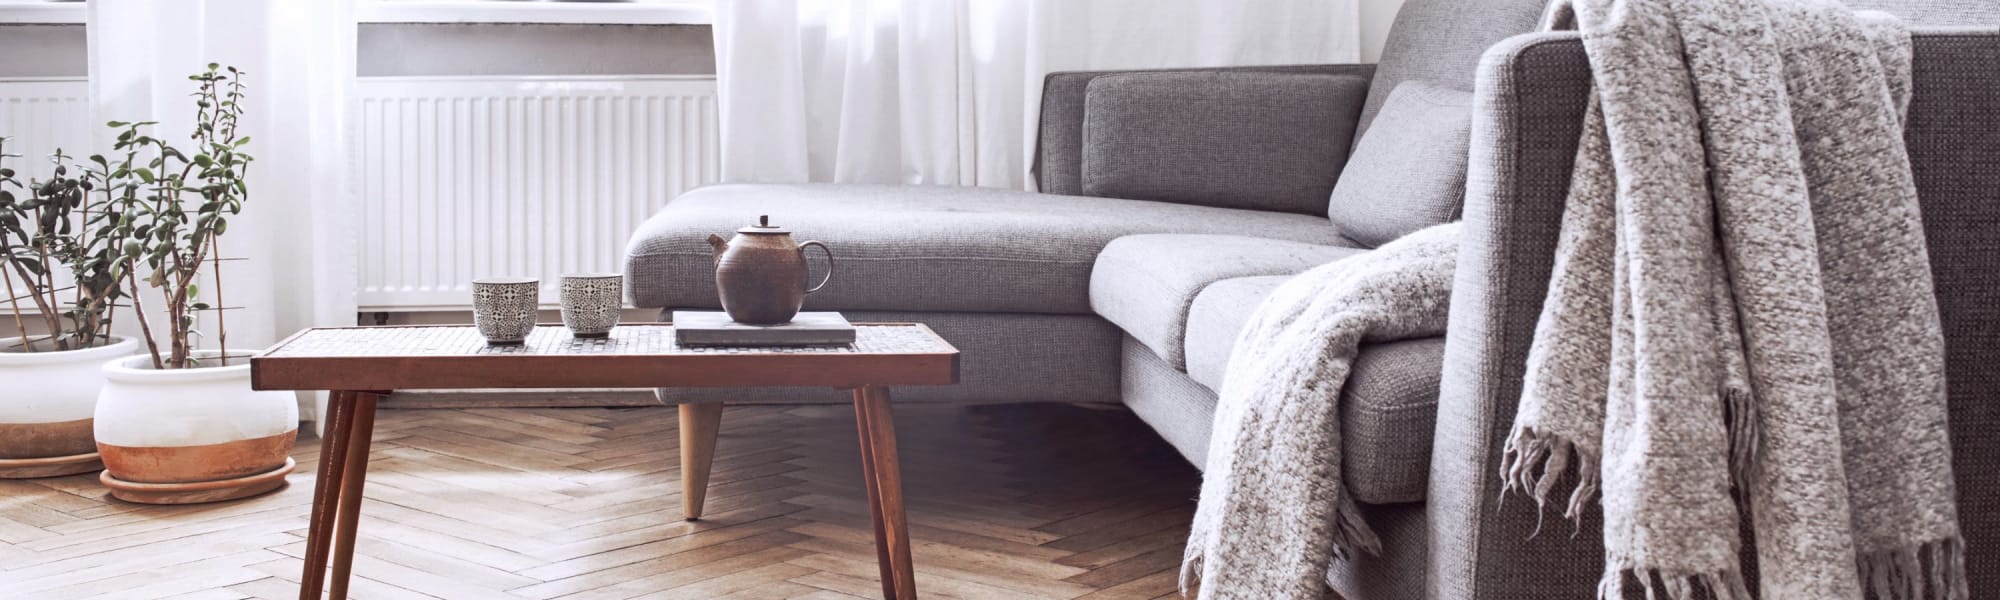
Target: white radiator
{"points": [[466, 177], [37, 116]]}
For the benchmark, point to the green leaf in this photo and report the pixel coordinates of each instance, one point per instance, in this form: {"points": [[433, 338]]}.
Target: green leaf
{"points": [[145, 174], [193, 290]]}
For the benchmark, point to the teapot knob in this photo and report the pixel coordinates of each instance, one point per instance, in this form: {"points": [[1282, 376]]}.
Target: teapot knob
{"points": [[763, 220]]}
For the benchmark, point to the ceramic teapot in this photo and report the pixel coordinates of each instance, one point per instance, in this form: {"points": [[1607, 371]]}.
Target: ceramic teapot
{"points": [[761, 274]]}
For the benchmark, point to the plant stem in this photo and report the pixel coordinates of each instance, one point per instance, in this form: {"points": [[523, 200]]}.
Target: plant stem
{"points": [[52, 308], [139, 312], [41, 304], [20, 325]]}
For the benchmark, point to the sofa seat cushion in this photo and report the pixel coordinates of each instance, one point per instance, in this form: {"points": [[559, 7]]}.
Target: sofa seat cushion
{"points": [[1388, 409], [926, 248], [1145, 283]]}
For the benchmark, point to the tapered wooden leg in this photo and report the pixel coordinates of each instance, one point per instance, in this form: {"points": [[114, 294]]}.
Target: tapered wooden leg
{"points": [[700, 423], [332, 460], [883, 473], [869, 481], [352, 481]]}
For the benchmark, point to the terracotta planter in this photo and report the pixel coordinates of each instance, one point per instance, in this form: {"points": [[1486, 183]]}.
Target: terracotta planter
{"points": [[46, 402], [181, 436]]}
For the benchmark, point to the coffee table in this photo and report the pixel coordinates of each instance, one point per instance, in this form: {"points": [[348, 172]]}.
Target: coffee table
{"points": [[359, 364]]}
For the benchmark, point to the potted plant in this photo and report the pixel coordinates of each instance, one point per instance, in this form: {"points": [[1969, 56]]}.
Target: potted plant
{"points": [[180, 424], [62, 332]]}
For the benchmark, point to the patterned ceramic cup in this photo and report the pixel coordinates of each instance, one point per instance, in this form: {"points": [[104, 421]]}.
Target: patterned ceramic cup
{"points": [[591, 302], [504, 308]]}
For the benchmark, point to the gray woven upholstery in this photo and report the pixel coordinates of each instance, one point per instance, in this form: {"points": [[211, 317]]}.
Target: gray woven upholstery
{"points": [[1214, 319], [1398, 572], [1058, 166], [1387, 409], [1266, 141], [1144, 283], [1527, 116], [1410, 172], [926, 248], [1440, 41], [1002, 358], [1954, 139], [1385, 425], [1527, 119]]}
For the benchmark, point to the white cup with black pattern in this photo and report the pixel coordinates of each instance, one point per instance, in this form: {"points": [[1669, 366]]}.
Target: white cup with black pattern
{"points": [[591, 303], [503, 308]]}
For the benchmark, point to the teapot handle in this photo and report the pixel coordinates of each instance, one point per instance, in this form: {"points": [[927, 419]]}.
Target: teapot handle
{"points": [[829, 264]]}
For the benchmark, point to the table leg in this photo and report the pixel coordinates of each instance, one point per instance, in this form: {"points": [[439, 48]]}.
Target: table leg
{"points": [[356, 476], [332, 460], [699, 425], [883, 474]]}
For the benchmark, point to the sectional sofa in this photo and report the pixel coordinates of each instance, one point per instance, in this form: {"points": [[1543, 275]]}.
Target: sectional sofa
{"points": [[1172, 201]]}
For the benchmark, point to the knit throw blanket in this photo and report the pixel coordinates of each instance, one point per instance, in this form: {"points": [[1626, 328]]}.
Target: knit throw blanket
{"points": [[1273, 506], [1741, 314]]}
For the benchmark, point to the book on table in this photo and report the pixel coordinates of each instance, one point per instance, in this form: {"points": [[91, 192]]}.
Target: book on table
{"points": [[714, 328]]}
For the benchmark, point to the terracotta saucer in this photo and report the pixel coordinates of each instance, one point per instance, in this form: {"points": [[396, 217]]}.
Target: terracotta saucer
{"points": [[199, 491], [51, 466]]}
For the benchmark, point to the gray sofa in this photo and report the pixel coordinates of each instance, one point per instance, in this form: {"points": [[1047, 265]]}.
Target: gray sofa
{"points": [[1069, 296]]}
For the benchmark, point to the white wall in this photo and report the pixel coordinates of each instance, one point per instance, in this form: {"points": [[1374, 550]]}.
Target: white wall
{"points": [[1376, 15]]}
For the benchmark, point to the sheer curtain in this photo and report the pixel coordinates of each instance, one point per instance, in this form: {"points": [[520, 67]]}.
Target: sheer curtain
{"points": [[947, 91], [297, 230]]}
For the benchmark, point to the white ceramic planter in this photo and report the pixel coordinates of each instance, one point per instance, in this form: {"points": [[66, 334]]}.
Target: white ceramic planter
{"points": [[179, 436], [46, 402]]}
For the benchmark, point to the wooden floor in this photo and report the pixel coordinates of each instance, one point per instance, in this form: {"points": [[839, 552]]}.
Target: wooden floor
{"points": [[1041, 501]]}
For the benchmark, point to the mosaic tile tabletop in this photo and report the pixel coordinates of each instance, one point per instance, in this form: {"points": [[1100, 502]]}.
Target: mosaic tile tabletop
{"points": [[556, 340]]}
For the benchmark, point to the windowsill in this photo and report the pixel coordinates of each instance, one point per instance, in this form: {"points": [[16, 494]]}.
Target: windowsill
{"points": [[59, 13], [690, 12]]}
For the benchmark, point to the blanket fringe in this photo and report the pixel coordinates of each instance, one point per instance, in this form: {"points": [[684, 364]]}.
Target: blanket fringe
{"points": [[1191, 570], [1534, 461], [1350, 532], [1724, 585], [1934, 570]]}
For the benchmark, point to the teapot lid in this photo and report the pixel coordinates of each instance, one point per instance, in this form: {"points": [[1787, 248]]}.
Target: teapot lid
{"points": [[764, 226]]}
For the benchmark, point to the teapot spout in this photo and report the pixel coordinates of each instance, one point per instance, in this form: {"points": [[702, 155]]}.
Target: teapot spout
{"points": [[716, 241]]}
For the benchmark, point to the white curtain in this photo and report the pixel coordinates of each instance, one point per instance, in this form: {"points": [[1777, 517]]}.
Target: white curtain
{"points": [[948, 91], [297, 229]]}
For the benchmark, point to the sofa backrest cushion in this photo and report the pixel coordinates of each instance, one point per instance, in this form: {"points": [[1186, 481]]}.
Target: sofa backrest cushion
{"points": [[1409, 172], [1440, 41], [1265, 141]]}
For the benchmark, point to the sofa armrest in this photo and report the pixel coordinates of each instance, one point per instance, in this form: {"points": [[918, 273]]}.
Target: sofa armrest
{"points": [[1528, 111], [1058, 166], [1527, 116]]}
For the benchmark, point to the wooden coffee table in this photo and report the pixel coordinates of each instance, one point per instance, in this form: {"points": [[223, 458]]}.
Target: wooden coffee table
{"points": [[359, 364]]}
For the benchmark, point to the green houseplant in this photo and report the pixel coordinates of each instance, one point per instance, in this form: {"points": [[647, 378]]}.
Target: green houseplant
{"points": [[60, 266], [180, 423]]}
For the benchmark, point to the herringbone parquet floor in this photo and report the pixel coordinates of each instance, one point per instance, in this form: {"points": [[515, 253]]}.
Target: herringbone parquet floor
{"points": [[1040, 501]]}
